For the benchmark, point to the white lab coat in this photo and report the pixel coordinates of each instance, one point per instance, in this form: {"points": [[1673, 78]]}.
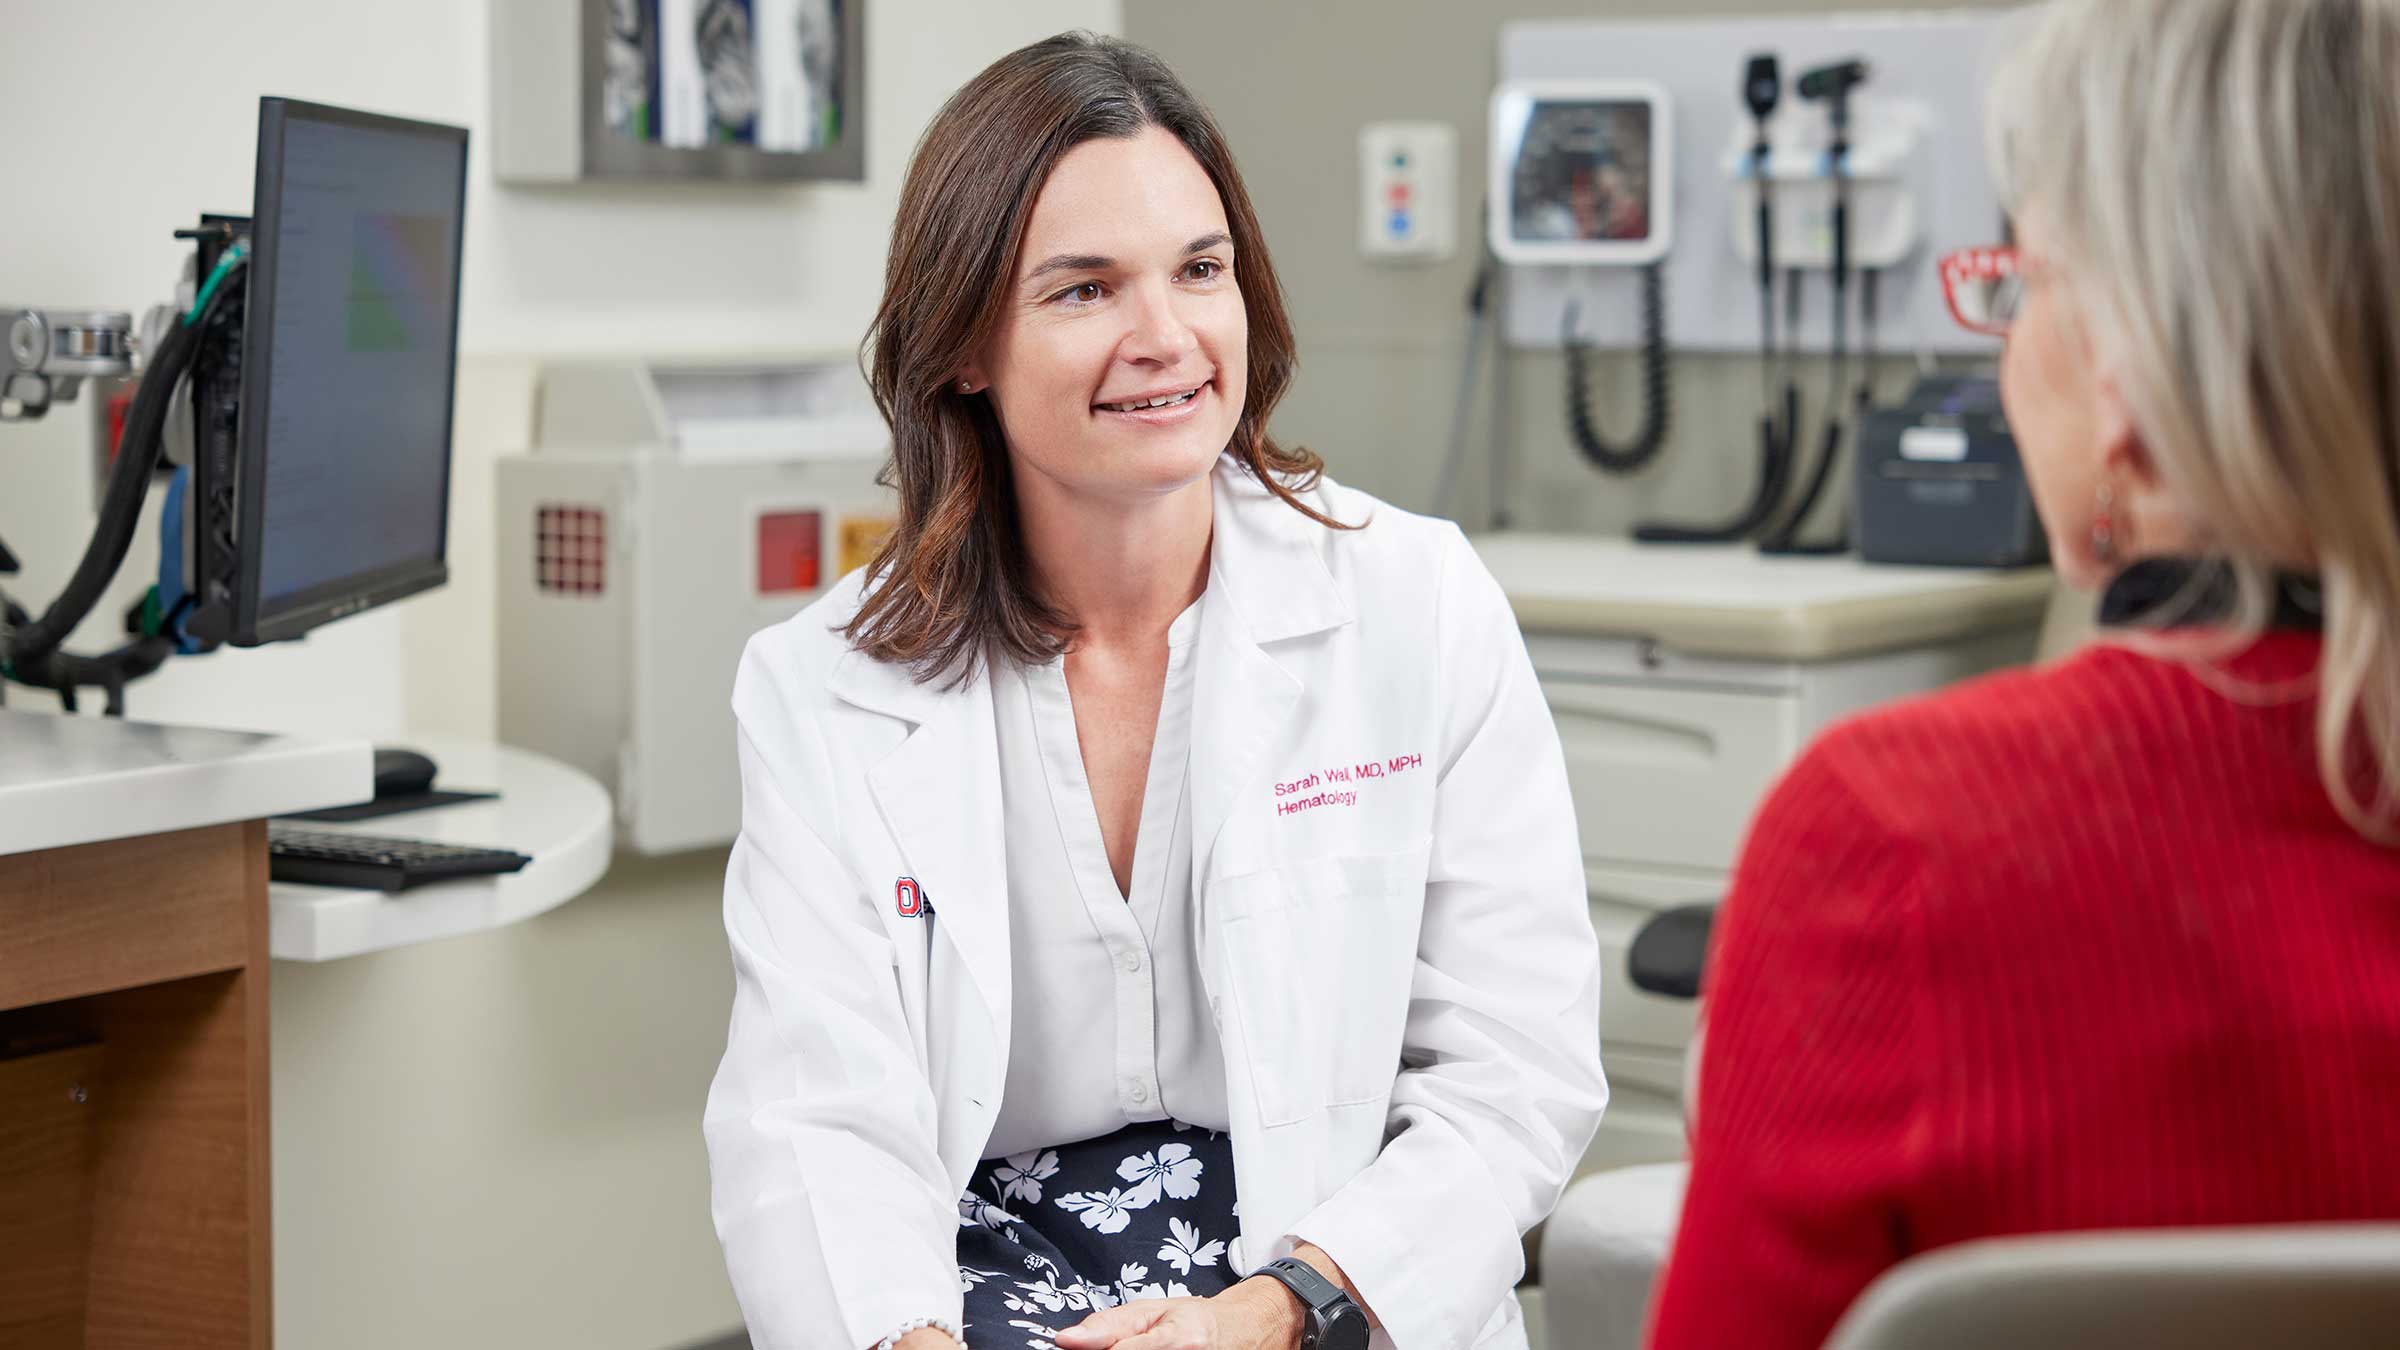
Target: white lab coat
{"points": [[1403, 969]]}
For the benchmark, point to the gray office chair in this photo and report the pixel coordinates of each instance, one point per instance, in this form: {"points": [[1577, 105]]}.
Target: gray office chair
{"points": [[2306, 1287]]}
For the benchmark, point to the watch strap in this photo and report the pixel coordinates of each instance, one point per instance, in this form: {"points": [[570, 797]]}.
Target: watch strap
{"points": [[1318, 1295]]}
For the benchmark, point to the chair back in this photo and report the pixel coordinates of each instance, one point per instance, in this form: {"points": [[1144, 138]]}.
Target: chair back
{"points": [[2305, 1287]]}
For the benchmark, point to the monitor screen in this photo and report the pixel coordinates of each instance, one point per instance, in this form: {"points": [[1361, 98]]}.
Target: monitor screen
{"points": [[350, 350]]}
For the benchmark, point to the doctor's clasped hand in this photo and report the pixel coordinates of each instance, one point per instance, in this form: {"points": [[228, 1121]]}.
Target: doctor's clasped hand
{"points": [[1253, 1315], [1257, 1314]]}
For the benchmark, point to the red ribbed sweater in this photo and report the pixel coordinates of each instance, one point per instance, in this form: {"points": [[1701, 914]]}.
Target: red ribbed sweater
{"points": [[2082, 947]]}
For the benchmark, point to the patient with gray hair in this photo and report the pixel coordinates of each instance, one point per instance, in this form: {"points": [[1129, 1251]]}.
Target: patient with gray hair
{"points": [[2113, 943]]}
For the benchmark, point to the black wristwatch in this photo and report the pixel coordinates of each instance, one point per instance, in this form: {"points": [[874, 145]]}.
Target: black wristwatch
{"points": [[1328, 1319]]}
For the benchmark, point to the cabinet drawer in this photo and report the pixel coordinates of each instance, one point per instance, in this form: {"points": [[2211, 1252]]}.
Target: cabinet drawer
{"points": [[1668, 776]]}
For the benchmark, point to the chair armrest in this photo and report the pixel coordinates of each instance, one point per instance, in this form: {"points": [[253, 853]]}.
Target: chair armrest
{"points": [[1667, 954]]}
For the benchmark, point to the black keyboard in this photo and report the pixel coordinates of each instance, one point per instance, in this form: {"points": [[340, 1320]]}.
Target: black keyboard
{"points": [[372, 862]]}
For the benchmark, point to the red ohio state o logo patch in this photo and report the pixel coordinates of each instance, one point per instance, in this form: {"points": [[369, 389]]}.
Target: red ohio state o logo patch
{"points": [[911, 898]]}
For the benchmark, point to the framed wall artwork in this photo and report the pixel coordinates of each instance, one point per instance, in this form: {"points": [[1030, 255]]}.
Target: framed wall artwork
{"points": [[678, 90]]}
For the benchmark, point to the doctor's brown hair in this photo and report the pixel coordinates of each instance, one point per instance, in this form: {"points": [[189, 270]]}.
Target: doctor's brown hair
{"points": [[952, 583]]}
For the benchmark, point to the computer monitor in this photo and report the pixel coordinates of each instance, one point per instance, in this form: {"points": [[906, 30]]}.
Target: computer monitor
{"points": [[349, 359]]}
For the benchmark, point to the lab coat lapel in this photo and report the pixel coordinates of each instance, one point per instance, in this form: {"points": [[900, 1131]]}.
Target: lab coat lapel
{"points": [[940, 795], [1268, 583], [1271, 599], [1241, 703]]}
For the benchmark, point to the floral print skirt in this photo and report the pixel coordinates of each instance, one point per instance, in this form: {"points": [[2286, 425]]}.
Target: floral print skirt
{"points": [[1045, 1238]]}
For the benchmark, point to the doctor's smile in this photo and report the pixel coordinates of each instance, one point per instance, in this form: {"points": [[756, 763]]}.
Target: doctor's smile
{"points": [[1158, 410]]}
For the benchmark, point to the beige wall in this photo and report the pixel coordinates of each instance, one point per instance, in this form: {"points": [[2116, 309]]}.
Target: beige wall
{"points": [[1381, 345]]}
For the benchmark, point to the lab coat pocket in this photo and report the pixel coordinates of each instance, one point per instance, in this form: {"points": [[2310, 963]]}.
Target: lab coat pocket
{"points": [[1319, 956]]}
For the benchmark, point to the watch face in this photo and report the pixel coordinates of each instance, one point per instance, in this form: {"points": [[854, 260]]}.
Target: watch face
{"points": [[1345, 1330]]}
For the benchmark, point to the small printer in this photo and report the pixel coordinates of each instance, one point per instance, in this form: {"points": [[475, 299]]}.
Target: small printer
{"points": [[1939, 482]]}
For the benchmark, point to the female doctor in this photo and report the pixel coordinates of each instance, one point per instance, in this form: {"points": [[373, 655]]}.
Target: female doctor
{"points": [[1157, 919]]}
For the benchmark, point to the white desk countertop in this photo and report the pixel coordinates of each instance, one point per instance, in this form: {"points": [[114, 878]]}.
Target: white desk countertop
{"points": [[559, 816], [1727, 600], [81, 780]]}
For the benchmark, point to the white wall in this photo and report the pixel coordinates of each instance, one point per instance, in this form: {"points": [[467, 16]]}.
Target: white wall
{"points": [[492, 1140]]}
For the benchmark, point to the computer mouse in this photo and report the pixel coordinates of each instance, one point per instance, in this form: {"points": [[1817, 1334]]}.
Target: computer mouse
{"points": [[402, 773]]}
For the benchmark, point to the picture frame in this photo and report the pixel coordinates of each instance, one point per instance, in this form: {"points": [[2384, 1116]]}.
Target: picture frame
{"points": [[628, 91]]}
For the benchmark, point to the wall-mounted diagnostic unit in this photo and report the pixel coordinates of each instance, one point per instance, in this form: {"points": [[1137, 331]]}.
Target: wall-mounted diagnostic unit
{"points": [[1914, 167], [1580, 173], [1583, 177]]}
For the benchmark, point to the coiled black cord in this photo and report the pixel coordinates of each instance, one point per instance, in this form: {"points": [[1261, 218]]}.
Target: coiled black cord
{"points": [[1652, 438]]}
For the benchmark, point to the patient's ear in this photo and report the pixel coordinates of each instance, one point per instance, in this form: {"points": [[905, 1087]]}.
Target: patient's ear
{"points": [[2124, 456], [2156, 520]]}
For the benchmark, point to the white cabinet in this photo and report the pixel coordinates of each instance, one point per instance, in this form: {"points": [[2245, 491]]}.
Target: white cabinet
{"points": [[1668, 758], [1691, 751], [1683, 682]]}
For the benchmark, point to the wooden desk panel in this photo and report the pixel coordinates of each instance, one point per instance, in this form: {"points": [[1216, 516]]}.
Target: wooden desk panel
{"points": [[97, 917], [179, 1251]]}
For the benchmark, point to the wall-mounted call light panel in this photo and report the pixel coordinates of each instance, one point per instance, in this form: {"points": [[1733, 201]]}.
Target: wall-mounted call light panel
{"points": [[1408, 190]]}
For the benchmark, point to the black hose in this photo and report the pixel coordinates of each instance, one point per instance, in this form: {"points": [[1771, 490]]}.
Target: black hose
{"points": [[62, 672], [1652, 438], [1785, 541], [1776, 443], [11, 614], [1778, 440], [1478, 301], [128, 484]]}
